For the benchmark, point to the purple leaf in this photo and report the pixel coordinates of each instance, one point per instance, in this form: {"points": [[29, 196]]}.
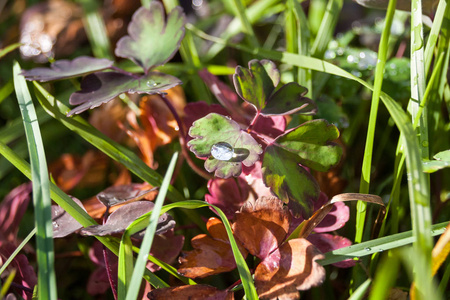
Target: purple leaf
{"points": [[225, 143], [327, 242], [289, 99], [165, 247], [121, 218], [152, 41], [63, 69], [63, 223], [115, 195], [197, 110], [99, 88]]}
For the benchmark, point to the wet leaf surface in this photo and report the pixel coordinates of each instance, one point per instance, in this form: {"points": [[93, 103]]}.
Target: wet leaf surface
{"points": [[215, 128], [100, 88], [262, 225], [152, 41], [64, 69], [211, 255], [63, 223], [289, 269], [199, 291], [289, 181]]}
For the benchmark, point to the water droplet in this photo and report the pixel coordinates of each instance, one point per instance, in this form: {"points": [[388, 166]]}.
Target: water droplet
{"points": [[152, 83], [380, 250], [351, 59], [55, 225], [367, 249], [222, 151], [177, 128], [228, 117]]}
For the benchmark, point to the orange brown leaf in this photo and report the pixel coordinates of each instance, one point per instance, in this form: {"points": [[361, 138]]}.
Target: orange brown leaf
{"points": [[194, 292]]}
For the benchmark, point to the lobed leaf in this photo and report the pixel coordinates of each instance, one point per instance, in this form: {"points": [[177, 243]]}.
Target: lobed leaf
{"points": [[100, 88], [290, 268], [289, 181], [152, 41], [311, 143], [255, 84], [289, 99], [64, 68], [213, 129]]}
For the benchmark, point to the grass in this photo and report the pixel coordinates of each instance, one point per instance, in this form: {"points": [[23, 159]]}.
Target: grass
{"points": [[306, 48]]}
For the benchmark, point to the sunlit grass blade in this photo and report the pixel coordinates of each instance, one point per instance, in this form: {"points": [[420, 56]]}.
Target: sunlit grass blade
{"points": [[247, 28], [434, 33], [96, 29], [41, 190], [326, 29], [17, 250], [6, 90], [132, 284], [9, 49], [114, 150], [360, 292], [246, 278], [385, 277], [378, 245]]}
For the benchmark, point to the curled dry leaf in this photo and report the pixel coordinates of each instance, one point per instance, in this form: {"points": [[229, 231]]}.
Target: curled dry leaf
{"points": [[290, 268], [199, 291], [262, 226], [63, 223], [211, 255]]}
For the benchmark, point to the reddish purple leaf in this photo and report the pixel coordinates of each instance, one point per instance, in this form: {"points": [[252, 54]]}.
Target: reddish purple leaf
{"points": [[63, 69], [165, 247], [99, 88], [120, 219], [197, 110], [63, 223], [12, 209], [272, 126], [118, 194], [327, 242], [289, 269]]}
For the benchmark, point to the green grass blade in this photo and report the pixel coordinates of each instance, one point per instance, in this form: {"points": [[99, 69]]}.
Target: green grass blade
{"points": [[247, 28], [326, 29], [434, 34], [360, 292], [141, 261], [378, 245], [41, 190], [114, 150], [385, 278], [9, 49], [6, 90], [368, 151], [17, 250]]}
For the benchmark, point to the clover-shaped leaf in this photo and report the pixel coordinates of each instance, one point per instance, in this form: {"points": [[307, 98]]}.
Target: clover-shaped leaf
{"points": [[63, 69], [100, 88], [225, 144], [152, 41], [257, 86]]}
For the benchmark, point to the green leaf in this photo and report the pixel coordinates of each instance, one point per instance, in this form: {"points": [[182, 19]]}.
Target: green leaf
{"points": [[289, 181], [152, 41], [215, 129], [442, 161], [311, 142], [443, 155], [289, 99], [254, 84]]}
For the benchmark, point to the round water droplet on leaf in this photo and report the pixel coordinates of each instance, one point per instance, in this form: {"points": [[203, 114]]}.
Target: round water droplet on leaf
{"points": [[222, 151]]}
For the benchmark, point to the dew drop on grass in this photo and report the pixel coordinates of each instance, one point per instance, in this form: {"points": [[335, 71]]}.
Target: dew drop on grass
{"points": [[222, 151], [367, 249]]}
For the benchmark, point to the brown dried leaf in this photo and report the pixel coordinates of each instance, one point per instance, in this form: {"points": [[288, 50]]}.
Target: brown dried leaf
{"points": [[193, 292], [261, 226], [290, 268], [211, 255]]}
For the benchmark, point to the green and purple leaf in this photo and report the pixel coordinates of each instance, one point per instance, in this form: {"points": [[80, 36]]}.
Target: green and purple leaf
{"points": [[63, 69], [289, 181], [311, 143], [289, 99], [254, 84], [152, 41], [214, 129], [100, 88]]}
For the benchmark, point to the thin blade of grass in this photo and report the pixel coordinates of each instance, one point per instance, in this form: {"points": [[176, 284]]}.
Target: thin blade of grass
{"points": [[17, 250], [360, 292], [9, 49], [41, 190], [135, 281], [385, 278]]}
